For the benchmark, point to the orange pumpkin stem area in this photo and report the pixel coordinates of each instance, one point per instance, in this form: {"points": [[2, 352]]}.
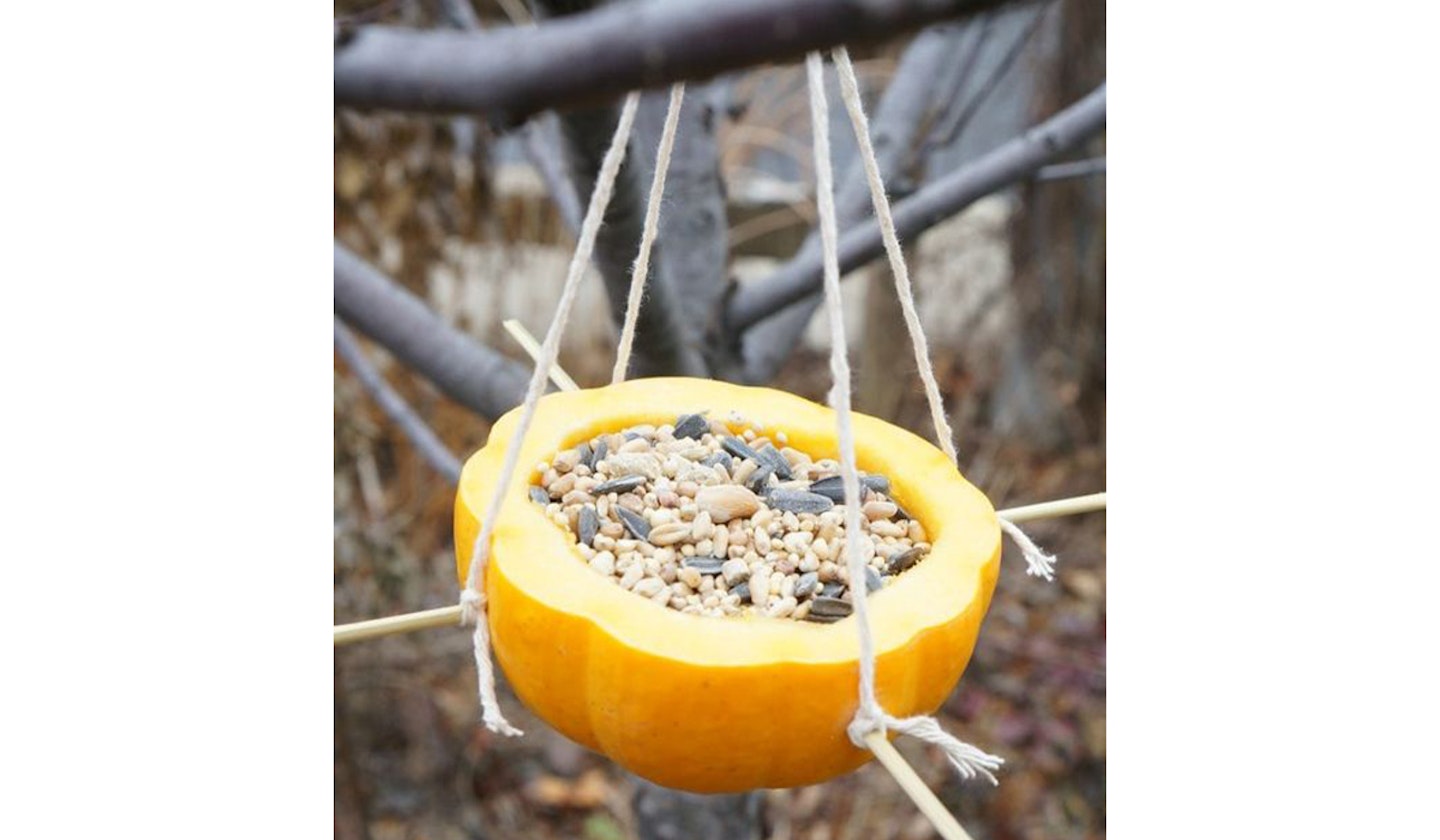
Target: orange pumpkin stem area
{"points": [[721, 705]]}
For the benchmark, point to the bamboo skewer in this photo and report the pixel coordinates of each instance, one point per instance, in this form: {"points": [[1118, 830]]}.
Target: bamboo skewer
{"points": [[910, 782], [518, 332], [1059, 507], [359, 631]]}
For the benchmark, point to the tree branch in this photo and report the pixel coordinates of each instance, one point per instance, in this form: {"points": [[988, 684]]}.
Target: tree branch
{"points": [[540, 136], [472, 375], [430, 447], [584, 59], [902, 113], [1017, 159], [953, 124], [659, 349]]}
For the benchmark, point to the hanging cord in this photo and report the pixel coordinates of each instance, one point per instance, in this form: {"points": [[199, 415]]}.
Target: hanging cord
{"points": [[472, 599], [850, 92], [641, 270], [1037, 562], [968, 760]]}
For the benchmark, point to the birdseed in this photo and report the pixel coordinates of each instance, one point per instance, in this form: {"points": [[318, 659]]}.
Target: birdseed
{"points": [[722, 519]]}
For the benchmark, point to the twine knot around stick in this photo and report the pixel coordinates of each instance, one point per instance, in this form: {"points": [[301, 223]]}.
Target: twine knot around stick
{"points": [[968, 760], [472, 605], [869, 717]]}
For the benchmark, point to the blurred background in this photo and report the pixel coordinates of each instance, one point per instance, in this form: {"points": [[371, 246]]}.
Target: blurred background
{"points": [[1011, 292]]}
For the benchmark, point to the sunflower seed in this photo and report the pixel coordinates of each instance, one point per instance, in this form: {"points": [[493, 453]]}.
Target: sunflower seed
{"points": [[634, 523], [737, 447], [586, 454], [759, 479], [598, 454], [722, 458], [539, 496], [772, 458], [798, 501], [705, 565], [693, 426], [742, 591], [830, 607], [833, 590], [619, 485], [589, 524], [632, 436], [833, 488], [872, 579], [902, 560], [806, 584]]}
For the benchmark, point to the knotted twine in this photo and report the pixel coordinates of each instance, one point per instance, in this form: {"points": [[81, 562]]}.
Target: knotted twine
{"points": [[869, 717], [472, 599], [1037, 562]]}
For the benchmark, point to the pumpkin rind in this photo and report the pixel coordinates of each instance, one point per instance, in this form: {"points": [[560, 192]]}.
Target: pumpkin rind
{"points": [[719, 705]]}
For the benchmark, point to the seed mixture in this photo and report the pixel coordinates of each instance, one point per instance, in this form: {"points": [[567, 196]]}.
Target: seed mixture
{"points": [[712, 522]]}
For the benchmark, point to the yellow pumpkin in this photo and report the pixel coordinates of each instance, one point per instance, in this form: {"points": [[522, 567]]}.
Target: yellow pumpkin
{"points": [[717, 705]]}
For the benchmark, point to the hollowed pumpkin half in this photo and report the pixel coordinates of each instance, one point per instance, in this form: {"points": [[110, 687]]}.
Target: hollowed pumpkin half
{"points": [[708, 704]]}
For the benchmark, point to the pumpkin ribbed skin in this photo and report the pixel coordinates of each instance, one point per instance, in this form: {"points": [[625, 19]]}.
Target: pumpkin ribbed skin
{"points": [[719, 705]]}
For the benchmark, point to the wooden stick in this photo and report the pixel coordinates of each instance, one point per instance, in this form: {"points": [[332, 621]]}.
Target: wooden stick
{"points": [[450, 616], [374, 628], [919, 793], [518, 332], [1059, 507]]}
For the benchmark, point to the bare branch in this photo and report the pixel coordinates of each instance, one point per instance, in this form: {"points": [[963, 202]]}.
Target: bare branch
{"points": [[1017, 159], [540, 134], [903, 111], [426, 442], [659, 348], [693, 248], [459, 14], [1072, 169], [542, 146], [954, 123], [587, 58], [585, 136], [469, 373]]}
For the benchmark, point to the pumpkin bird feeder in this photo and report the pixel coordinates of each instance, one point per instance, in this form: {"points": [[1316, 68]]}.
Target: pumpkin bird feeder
{"points": [[707, 695], [684, 699]]}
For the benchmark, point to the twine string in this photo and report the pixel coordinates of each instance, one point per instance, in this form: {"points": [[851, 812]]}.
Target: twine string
{"points": [[641, 269], [869, 717], [1037, 562], [472, 599]]}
